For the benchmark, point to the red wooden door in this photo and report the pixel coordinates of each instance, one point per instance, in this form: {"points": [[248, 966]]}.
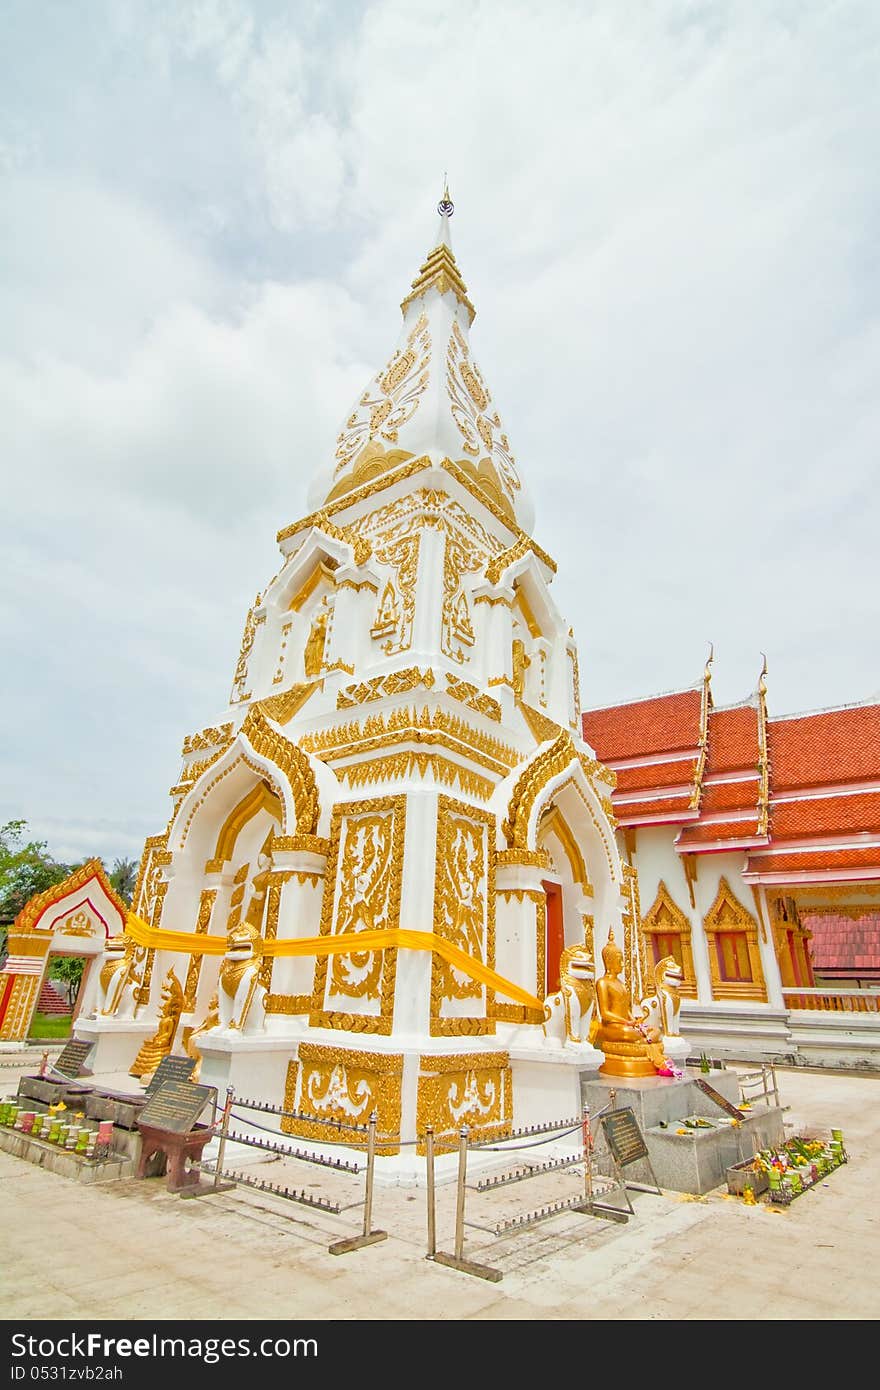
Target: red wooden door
{"points": [[555, 934]]}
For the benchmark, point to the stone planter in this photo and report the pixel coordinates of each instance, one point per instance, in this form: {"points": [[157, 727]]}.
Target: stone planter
{"points": [[743, 1175]]}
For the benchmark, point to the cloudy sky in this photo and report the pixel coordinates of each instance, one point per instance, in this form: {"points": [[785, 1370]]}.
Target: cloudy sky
{"points": [[667, 217]]}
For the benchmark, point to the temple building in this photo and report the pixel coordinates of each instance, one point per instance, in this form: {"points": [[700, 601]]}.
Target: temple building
{"points": [[398, 855], [757, 846], [384, 850]]}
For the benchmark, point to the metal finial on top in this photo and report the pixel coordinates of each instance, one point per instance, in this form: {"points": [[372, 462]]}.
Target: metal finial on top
{"points": [[445, 207]]}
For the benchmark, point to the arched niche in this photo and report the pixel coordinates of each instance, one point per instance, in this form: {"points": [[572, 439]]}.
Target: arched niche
{"points": [[554, 806], [567, 889], [225, 797]]}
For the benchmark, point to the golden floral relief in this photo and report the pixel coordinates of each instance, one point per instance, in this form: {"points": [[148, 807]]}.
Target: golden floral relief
{"points": [[364, 892], [391, 399], [461, 556], [401, 553], [343, 1086], [464, 913], [479, 425], [470, 1089], [461, 890], [240, 679]]}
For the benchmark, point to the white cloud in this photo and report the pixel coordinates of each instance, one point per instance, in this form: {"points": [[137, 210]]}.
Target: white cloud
{"points": [[666, 217]]}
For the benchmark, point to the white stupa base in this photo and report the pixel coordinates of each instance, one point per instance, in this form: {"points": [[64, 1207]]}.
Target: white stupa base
{"points": [[546, 1090], [116, 1041]]}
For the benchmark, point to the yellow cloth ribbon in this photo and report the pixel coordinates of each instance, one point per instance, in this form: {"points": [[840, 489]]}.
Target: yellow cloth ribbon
{"points": [[382, 940]]}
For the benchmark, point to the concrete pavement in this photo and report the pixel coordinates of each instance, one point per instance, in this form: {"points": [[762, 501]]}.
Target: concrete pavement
{"points": [[132, 1250]]}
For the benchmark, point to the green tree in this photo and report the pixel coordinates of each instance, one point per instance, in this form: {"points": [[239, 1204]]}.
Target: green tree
{"points": [[124, 877], [68, 970], [26, 868]]}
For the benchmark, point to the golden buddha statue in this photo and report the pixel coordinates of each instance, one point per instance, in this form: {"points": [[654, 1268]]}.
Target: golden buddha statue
{"points": [[154, 1049], [626, 1046], [314, 652], [521, 663]]}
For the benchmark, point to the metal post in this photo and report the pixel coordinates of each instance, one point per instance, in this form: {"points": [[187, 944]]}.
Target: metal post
{"points": [[459, 1197], [201, 1189], [455, 1260], [368, 1236], [371, 1160], [432, 1214], [588, 1157], [224, 1130]]}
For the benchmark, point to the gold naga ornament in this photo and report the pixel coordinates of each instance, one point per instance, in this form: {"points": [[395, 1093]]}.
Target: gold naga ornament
{"points": [[160, 1045], [208, 1023]]}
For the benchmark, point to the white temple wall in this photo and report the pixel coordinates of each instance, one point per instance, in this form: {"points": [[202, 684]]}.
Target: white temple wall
{"points": [[412, 995], [299, 915], [493, 624], [357, 593], [426, 634], [767, 946], [656, 858], [520, 919]]}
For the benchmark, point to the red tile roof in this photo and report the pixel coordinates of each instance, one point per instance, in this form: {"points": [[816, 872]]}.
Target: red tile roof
{"points": [[730, 796], [760, 862], [731, 831], [819, 750], [642, 812], [810, 817], [844, 943], [674, 774], [805, 752], [662, 724], [733, 739]]}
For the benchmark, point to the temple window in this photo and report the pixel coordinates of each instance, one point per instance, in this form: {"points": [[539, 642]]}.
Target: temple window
{"points": [[665, 944], [734, 953], [667, 931]]}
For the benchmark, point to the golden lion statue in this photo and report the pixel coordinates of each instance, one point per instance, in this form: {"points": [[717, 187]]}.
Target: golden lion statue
{"points": [[568, 1014], [118, 982], [239, 986], [661, 1009]]}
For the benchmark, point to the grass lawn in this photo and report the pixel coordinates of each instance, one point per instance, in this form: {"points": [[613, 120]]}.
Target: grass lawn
{"points": [[50, 1026]]}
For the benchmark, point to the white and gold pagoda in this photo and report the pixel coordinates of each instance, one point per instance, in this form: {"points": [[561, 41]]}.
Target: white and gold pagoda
{"points": [[396, 828]]}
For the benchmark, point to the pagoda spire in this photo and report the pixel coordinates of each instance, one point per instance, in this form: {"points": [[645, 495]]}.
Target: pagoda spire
{"points": [[440, 271], [763, 752]]}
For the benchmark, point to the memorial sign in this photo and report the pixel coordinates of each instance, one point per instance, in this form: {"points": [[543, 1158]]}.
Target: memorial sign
{"points": [[175, 1106], [720, 1101], [170, 1069], [70, 1060], [625, 1139]]}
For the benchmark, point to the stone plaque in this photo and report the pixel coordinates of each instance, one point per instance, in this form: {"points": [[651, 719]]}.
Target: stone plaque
{"points": [[176, 1106], [70, 1061], [170, 1069], [719, 1100], [625, 1139]]}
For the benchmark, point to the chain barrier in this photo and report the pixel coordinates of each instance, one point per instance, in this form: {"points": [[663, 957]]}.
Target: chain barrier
{"points": [[227, 1178], [586, 1203]]}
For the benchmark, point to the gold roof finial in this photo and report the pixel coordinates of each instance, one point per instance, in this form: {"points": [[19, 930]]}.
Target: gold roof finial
{"points": [[707, 674], [762, 679], [440, 271], [445, 207]]}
